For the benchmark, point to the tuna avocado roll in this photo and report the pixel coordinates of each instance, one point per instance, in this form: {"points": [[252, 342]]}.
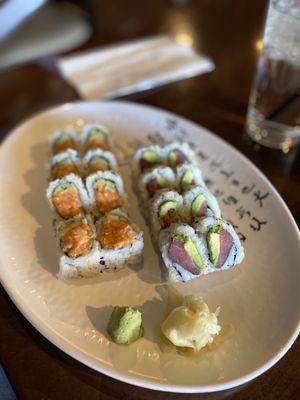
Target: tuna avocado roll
{"points": [[64, 140], [120, 241], [65, 163], [147, 158], [177, 154], [165, 209], [68, 197], [106, 192], [95, 136], [198, 202], [158, 178], [187, 175], [183, 253], [99, 160], [223, 244]]}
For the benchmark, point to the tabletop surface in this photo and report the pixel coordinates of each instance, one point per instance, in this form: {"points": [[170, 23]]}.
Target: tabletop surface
{"points": [[226, 30]]}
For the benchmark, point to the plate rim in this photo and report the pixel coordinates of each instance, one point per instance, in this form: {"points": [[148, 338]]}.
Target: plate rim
{"points": [[70, 348]]}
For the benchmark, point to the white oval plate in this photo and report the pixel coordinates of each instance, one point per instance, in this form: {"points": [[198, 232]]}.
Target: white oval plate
{"points": [[260, 298]]}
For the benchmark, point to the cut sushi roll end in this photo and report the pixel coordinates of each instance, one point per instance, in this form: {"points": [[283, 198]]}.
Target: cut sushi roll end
{"points": [[107, 196], [115, 232], [76, 238], [97, 138], [64, 141], [66, 200], [63, 168], [183, 251]]}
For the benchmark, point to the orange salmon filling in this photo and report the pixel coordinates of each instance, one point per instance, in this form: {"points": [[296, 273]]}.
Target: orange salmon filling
{"points": [[97, 143], [78, 240], [115, 234], [63, 145], [67, 202], [107, 199], [60, 171]]}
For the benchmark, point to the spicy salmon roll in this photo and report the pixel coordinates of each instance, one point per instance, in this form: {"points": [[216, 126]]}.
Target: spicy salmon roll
{"points": [[99, 160], [146, 158], [95, 136], [183, 253], [158, 178], [65, 163], [223, 245], [165, 209], [78, 248], [176, 154], [106, 191], [187, 175], [198, 202], [63, 140], [120, 241], [67, 196]]}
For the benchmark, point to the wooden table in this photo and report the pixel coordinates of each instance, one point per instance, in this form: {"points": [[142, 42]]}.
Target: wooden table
{"points": [[226, 30]]}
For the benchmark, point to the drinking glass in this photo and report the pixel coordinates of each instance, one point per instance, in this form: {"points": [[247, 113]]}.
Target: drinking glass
{"points": [[273, 117]]}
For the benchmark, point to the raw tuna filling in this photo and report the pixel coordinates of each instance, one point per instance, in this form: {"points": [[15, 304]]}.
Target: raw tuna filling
{"points": [[152, 187], [220, 253], [176, 157], [178, 254], [145, 164], [169, 218]]}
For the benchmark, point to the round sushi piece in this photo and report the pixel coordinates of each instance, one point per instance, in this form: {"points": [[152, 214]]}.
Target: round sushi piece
{"points": [[95, 136], [99, 160], [106, 191], [67, 196], [187, 175], [165, 209], [183, 252], [158, 178], [198, 202], [176, 154], [65, 163], [223, 244], [146, 158], [120, 241], [63, 140], [78, 248]]}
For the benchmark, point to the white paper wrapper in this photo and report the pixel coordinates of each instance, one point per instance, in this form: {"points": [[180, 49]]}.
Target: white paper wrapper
{"points": [[130, 67]]}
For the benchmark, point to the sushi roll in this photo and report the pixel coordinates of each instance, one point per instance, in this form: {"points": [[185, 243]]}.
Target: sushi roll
{"points": [[105, 190], [63, 140], [187, 175], [65, 163], [165, 209], [146, 158], [183, 253], [223, 245], [99, 160], [158, 178], [95, 136], [78, 248], [67, 196], [176, 154], [198, 202], [120, 241]]}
